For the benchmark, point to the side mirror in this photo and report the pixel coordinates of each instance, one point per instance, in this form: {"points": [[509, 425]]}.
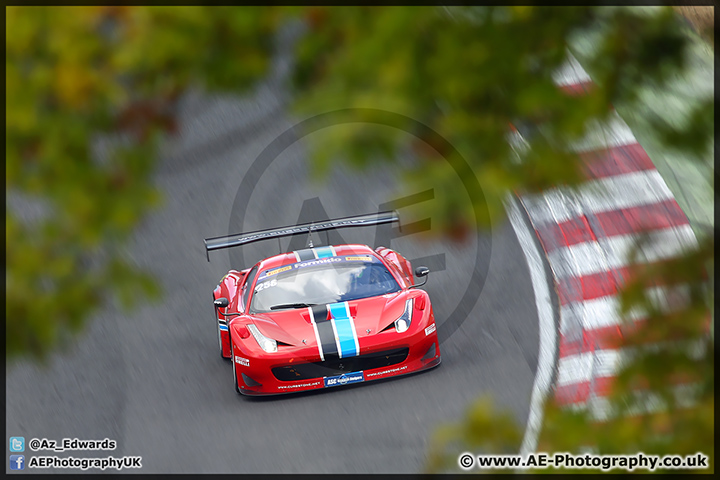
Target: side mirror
{"points": [[222, 302], [421, 272]]}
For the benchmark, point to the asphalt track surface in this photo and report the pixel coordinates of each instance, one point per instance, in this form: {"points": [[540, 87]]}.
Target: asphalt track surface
{"points": [[152, 379]]}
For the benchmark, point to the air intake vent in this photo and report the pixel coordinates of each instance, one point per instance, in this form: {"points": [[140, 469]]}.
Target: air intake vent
{"points": [[305, 371]]}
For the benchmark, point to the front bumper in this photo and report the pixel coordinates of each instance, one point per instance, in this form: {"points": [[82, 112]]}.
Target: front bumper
{"points": [[389, 355]]}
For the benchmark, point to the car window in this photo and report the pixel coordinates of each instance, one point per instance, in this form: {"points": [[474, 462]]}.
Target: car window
{"points": [[246, 287], [308, 283]]}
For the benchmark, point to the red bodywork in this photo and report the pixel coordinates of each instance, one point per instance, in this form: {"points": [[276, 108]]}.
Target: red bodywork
{"points": [[297, 365]]}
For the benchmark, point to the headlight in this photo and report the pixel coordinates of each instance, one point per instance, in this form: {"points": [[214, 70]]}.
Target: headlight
{"points": [[403, 321], [267, 344]]}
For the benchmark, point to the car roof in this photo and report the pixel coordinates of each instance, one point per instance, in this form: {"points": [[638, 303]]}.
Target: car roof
{"points": [[289, 257]]}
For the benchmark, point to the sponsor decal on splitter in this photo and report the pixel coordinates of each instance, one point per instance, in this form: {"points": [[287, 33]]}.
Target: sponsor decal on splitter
{"points": [[299, 385], [344, 379], [384, 372]]}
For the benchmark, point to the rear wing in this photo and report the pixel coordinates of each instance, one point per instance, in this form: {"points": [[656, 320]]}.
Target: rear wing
{"points": [[238, 239]]}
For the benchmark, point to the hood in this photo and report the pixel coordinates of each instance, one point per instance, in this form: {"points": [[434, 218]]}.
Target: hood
{"points": [[292, 326]]}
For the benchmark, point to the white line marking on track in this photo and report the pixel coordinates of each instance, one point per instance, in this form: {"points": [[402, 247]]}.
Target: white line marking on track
{"points": [[546, 326]]}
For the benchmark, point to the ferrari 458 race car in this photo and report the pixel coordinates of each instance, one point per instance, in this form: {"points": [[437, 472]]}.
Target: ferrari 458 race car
{"points": [[323, 316]]}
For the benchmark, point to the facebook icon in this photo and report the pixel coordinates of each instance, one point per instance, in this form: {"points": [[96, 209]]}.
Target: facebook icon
{"points": [[17, 462]]}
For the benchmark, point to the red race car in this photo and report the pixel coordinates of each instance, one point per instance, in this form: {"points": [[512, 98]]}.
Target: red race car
{"points": [[323, 316]]}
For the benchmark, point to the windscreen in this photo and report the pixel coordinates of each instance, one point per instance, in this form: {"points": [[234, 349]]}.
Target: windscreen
{"points": [[314, 282]]}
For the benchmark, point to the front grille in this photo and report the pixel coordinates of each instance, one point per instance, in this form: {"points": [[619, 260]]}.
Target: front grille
{"points": [[306, 371]]}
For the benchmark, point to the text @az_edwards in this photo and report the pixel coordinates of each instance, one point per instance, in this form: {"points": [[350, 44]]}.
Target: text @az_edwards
{"points": [[37, 444]]}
